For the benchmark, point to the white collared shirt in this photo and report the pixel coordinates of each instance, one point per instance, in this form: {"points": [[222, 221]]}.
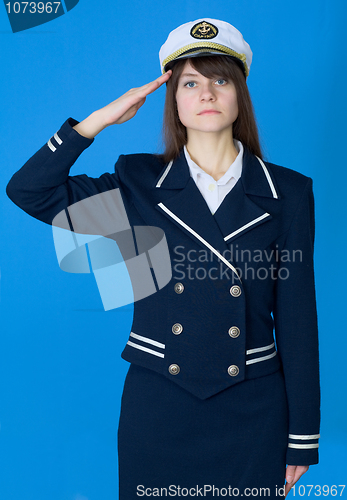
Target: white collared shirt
{"points": [[214, 191]]}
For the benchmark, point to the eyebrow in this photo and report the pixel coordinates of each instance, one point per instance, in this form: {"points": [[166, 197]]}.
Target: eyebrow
{"points": [[189, 74]]}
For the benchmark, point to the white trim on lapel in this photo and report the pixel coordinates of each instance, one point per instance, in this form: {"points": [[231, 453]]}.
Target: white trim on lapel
{"points": [[162, 178], [234, 233], [268, 177], [194, 233]]}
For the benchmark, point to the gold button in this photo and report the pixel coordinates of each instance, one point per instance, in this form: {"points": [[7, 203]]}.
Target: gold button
{"points": [[235, 291], [233, 370], [177, 328], [211, 187], [179, 287], [174, 369], [234, 332]]}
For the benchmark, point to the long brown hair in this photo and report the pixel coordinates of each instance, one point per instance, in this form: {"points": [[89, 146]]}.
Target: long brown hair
{"points": [[244, 128]]}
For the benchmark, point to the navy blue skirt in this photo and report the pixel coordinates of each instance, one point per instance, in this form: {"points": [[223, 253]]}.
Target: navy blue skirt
{"points": [[170, 443]]}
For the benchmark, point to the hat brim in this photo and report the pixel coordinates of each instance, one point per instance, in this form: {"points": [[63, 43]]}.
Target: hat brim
{"points": [[202, 53]]}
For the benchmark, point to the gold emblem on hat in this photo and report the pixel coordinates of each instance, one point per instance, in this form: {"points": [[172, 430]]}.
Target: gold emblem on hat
{"points": [[204, 30]]}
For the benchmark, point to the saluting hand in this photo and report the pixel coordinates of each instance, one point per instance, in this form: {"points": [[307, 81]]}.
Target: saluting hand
{"points": [[125, 107], [121, 110]]}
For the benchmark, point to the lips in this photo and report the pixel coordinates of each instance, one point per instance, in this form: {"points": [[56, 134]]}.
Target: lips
{"points": [[209, 112]]}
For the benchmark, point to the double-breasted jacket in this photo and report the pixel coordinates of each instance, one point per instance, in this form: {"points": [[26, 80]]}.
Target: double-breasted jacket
{"points": [[241, 300]]}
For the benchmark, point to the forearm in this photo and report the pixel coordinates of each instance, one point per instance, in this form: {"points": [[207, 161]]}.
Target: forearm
{"points": [[92, 125], [41, 180]]}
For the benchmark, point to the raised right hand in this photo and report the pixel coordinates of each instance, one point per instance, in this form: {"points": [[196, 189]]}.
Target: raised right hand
{"points": [[121, 110], [125, 107]]}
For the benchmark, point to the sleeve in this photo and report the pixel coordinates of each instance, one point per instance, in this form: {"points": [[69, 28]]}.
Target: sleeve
{"points": [[43, 187], [296, 333]]}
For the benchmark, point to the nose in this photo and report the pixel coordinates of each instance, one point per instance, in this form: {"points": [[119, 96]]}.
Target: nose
{"points": [[207, 92]]}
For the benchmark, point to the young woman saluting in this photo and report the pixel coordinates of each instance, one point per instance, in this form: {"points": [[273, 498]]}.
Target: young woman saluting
{"points": [[210, 399]]}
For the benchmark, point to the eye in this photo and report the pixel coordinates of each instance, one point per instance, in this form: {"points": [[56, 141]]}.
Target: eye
{"points": [[190, 85], [221, 81]]}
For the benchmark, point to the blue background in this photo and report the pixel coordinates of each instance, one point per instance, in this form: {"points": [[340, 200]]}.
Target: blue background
{"points": [[61, 374]]}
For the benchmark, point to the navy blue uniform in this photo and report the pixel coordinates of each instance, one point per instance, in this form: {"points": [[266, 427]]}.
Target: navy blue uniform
{"points": [[225, 368]]}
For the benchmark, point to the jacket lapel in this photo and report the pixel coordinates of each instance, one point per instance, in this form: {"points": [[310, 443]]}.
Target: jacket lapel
{"points": [[238, 214], [183, 204]]}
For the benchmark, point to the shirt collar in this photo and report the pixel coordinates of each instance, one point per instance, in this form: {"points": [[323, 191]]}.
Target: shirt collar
{"points": [[233, 171]]}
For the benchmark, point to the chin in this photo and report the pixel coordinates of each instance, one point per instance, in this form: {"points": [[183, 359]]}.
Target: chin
{"points": [[212, 129]]}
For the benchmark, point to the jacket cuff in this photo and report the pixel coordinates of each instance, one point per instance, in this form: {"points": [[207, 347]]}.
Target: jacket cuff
{"points": [[66, 132], [302, 449]]}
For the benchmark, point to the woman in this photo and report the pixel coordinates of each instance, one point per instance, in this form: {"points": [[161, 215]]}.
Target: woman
{"points": [[210, 402]]}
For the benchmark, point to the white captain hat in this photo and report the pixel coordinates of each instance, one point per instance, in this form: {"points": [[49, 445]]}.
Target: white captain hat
{"points": [[205, 37]]}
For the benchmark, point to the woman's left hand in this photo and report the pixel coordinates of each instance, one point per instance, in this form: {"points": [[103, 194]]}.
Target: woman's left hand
{"points": [[293, 474]]}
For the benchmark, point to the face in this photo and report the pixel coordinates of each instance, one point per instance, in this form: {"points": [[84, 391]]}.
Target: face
{"points": [[205, 104]]}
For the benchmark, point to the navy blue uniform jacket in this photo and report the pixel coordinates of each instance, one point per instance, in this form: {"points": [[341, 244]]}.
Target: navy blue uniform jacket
{"points": [[255, 255]]}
